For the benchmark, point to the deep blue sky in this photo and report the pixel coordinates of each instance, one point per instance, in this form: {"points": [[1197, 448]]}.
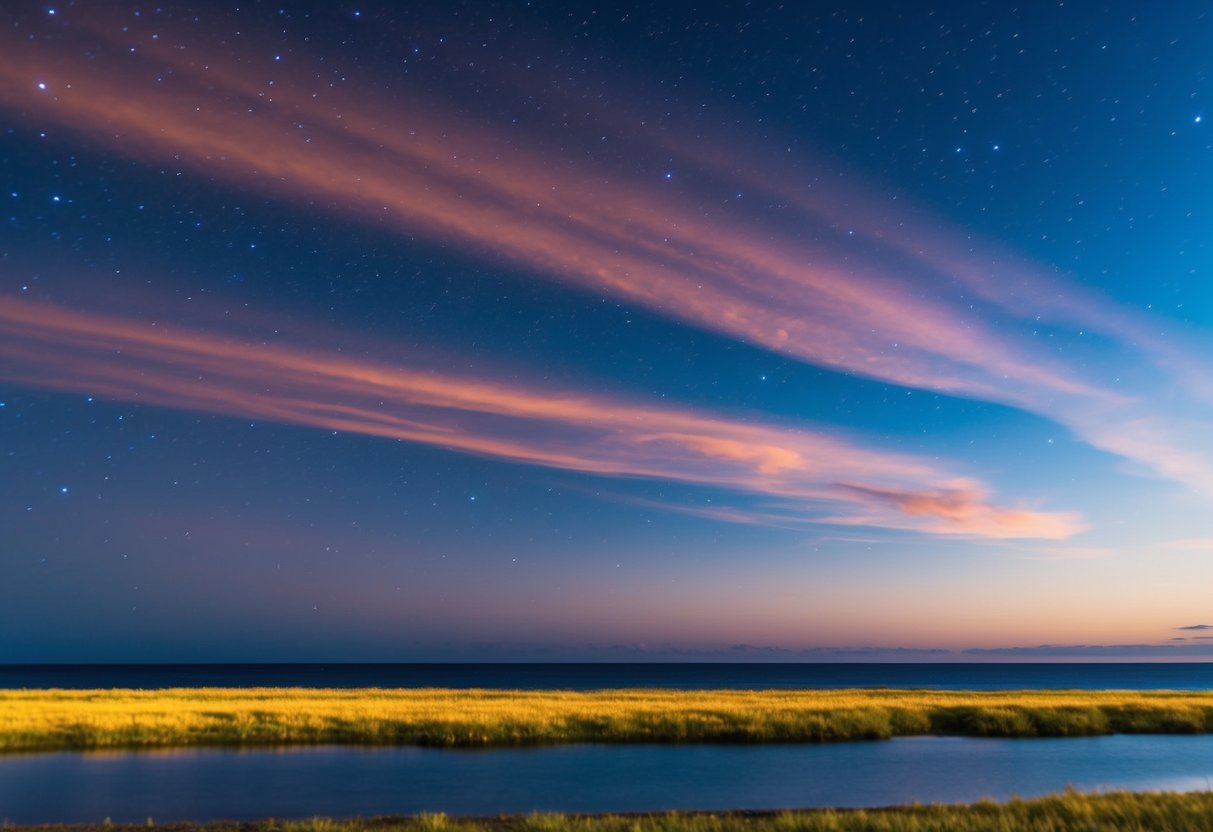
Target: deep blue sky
{"points": [[478, 332]]}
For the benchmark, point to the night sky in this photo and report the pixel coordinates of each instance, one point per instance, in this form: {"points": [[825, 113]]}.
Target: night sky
{"points": [[469, 331]]}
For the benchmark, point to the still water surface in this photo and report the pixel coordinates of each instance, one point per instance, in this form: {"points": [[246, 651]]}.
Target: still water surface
{"points": [[342, 781]]}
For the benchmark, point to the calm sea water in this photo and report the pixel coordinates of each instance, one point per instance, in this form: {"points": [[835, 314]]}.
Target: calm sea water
{"points": [[213, 784], [1143, 676]]}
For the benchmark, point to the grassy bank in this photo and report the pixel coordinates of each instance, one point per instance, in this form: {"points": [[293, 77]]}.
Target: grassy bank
{"points": [[1059, 813], [60, 719]]}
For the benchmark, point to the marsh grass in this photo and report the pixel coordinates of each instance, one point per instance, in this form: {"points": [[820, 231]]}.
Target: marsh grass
{"points": [[1067, 812], [40, 720]]}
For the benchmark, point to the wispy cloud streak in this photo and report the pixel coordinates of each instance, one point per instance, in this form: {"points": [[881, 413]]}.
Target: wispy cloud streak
{"points": [[890, 311], [813, 475], [423, 169]]}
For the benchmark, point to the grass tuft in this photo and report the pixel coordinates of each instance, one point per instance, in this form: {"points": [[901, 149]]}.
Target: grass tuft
{"points": [[1067, 812]]}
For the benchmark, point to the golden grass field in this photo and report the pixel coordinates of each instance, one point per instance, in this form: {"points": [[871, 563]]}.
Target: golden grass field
{"points": [[36, 720], [1068, 812]]}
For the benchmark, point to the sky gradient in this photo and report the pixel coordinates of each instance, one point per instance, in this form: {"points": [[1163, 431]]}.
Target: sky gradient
{"points": [[351, 332]]}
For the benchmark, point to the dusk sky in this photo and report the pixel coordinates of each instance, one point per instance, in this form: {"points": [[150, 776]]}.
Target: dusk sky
{"points": [[467, 331]]}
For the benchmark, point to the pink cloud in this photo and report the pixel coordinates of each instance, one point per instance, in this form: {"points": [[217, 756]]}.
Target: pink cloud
{"points": [[164, 364]]}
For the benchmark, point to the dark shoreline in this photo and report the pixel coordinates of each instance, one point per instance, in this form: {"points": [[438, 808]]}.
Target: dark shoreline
{"points": [[601, 675]]}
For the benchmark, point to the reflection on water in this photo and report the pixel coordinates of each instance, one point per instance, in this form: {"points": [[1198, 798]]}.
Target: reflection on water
{"points": [[206, 784]]}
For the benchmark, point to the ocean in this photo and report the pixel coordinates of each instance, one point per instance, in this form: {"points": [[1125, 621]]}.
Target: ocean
{"points": [[975, 676]]}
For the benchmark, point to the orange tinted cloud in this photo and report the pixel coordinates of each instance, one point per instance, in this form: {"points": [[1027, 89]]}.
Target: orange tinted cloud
{"points": [[964, 505], [812, 475]]}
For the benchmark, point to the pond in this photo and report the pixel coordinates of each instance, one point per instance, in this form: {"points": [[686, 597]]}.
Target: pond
{"points": [[344, 781]]}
